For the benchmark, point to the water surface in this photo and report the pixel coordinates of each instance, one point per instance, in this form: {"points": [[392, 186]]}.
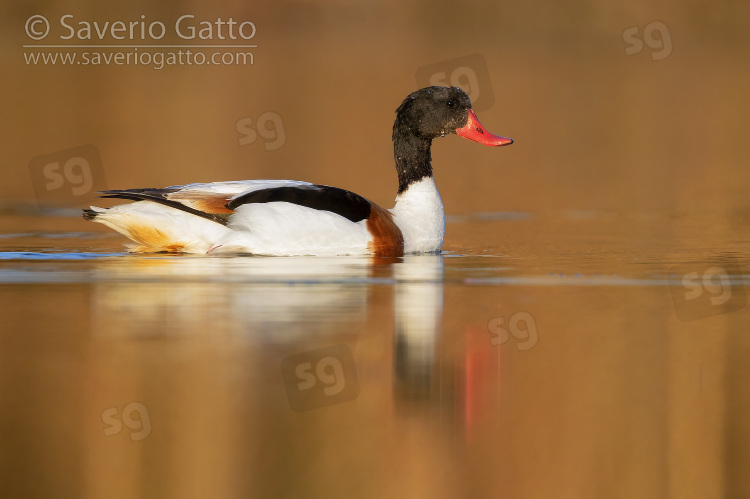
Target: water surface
{"points": [[537, 356]]}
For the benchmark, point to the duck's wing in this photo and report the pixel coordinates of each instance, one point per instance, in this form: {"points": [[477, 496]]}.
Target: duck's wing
{"points": [[206, 200], [216, 201]]}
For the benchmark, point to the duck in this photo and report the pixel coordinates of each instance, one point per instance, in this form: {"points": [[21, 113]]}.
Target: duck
{"points": [[298, 218]]}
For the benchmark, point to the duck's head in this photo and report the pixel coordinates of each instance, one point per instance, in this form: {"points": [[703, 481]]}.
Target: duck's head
{"points": [[433, 112]]}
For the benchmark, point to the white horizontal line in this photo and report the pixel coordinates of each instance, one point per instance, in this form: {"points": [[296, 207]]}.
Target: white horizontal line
{"points": [[134, 46]]}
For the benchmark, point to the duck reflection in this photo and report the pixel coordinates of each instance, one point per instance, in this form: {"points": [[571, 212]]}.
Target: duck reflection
{"points": [[268, 299], [290, 302], [282, 306], [279, 300], [418, 304]]}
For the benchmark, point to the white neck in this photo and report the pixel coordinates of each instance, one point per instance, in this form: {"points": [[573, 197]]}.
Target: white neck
{"points": [[420, 216]]}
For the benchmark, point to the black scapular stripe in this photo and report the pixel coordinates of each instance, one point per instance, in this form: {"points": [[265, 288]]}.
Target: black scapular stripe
{"points": [[157, 196], [150, 192], [318, 197]]}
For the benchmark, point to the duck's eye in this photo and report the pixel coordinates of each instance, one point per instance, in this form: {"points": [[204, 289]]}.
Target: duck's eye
{"points": [[449, 103]]}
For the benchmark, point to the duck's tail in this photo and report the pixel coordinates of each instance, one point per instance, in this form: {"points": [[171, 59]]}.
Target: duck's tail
{"points": [[91, 214], [156, 227]]}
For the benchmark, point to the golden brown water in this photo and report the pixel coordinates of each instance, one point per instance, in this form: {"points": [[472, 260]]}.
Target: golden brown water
{"points": [[584, 334], [585, 368]]}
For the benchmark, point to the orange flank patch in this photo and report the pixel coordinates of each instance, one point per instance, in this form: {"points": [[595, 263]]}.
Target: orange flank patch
{"points": [[175, 248], [152, 239], [387, 239], [207, 202]]}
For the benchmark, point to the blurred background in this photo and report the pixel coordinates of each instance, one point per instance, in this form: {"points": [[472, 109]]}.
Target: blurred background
{"points": [[123, 376], [595, 128]]}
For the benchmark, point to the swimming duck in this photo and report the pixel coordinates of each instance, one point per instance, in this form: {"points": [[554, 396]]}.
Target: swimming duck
{"points": [[289, 217]]}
